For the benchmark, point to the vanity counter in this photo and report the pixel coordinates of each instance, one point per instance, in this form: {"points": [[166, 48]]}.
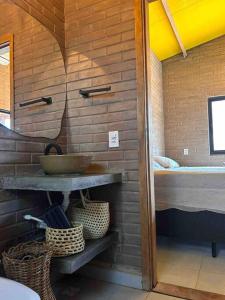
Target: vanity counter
{"points": [[62, 183], [59, 183]]}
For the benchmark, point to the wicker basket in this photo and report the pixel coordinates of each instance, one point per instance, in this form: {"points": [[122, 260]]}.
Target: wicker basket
{"points": [[29, 264], [66, 242], [94, 216]]}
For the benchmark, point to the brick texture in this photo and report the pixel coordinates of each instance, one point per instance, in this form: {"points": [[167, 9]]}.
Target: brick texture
{"points": [[49, 13], [19, 155], [5, 87], [156, 102], [100, 51], [38, 72], [187, 84], [16, 159]]}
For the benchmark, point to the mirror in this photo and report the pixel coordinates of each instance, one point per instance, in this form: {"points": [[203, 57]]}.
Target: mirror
{"points": [[32, 75]]}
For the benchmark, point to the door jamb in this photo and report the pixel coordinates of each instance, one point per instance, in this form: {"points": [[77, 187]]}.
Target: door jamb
{"points": [[146, 178]]}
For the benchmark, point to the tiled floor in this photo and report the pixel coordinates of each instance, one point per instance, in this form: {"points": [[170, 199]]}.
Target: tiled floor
{"points": [[191, 265], [75, 288], [187, 265]]}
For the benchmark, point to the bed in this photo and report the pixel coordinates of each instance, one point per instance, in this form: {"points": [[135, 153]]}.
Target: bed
{"points": [[190, 203]]}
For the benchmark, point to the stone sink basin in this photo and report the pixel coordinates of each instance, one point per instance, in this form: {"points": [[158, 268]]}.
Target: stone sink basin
{"points": [[64, 164]]}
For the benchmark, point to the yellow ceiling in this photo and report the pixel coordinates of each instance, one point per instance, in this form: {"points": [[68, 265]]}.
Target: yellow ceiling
{"points": [[197, 22]]}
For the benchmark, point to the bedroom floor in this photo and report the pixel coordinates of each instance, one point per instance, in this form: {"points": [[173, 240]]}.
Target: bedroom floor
{"points": [[191, 265]]}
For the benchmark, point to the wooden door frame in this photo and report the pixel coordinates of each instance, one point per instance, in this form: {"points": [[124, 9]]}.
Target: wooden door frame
{"points": [[8, 38], [146, 178]]}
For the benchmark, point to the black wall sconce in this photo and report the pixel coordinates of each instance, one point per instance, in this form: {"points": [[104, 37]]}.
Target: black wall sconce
{"points": [[46, 100], [86, 93]]}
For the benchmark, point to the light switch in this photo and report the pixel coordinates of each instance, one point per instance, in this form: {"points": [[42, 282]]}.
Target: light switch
{"points": [[114, 139], [186, 151]]}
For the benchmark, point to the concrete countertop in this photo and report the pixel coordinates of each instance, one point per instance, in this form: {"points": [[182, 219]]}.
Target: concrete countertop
{"points": [[64, 183]]}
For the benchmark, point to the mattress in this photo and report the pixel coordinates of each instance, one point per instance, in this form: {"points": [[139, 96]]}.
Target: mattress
{"points": [[191, 189]]}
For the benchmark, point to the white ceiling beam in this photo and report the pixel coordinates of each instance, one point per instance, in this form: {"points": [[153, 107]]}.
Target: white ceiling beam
{"points": [[173, 26]]}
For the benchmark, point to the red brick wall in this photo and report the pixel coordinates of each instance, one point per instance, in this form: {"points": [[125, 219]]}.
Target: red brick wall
{"points": [[38, 72], [187, 84], [49, 13], [100, 51], [19, 155]]}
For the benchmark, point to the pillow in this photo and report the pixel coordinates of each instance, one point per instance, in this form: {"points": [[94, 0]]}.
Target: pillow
{"points": [[157, 165], [166, 162]]}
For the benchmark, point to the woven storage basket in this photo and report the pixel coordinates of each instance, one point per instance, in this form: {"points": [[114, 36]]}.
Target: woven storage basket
{"points": [[94, 216], [29, 264], [66, 242]]}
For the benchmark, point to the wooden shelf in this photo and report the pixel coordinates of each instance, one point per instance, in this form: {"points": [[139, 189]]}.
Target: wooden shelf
{"points": [[70, 264]]}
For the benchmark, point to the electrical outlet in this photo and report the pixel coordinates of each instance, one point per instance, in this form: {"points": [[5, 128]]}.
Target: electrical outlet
{"points": [[186, 151], [114, 139]]}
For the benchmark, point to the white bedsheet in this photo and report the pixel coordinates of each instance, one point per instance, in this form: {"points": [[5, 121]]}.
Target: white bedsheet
{"points": [[192, 170], [191, 189]]}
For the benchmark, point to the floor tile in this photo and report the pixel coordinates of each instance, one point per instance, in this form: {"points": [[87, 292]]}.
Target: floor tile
{"points": [[121, 292], [211, 282], [180, 264], [156, 296], [180, 279], [213, 265], [80, 288], [174, 251], [191, 265], [181, 260], [74, 288], [180, 270]]}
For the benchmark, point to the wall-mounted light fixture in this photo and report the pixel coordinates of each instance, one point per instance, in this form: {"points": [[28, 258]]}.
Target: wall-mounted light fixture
{"points": [[4, 111], [86, 93], [46, 100]]}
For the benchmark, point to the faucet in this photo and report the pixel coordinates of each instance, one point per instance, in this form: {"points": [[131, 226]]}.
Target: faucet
{"points": [[52, 145]]}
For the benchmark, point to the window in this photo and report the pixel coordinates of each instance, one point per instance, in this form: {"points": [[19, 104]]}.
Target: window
{"points": [[6, 95], [216, 111]]}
